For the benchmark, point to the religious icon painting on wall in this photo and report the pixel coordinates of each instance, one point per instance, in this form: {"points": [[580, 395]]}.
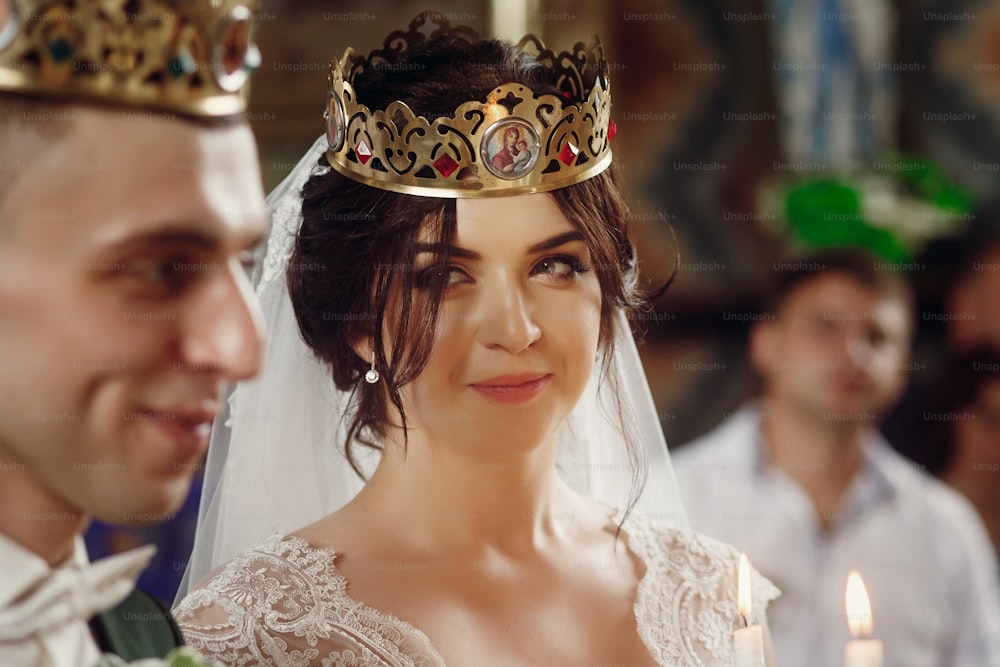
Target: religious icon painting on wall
{"points": [[510, 148]]}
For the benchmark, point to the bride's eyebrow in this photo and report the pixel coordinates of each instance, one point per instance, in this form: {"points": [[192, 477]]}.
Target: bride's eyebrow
{"points": [[555, 241], [456, 251]]}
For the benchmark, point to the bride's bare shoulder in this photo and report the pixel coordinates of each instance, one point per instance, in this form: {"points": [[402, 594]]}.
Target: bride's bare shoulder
{"points": [[349, 529]]}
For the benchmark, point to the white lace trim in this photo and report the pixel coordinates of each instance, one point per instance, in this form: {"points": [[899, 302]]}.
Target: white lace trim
{"points": [[685, 605], [285, 603]]}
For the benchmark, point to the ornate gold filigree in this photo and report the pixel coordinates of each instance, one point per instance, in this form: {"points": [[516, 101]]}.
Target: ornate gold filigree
{"points": [[192, 57], [515, 141]]}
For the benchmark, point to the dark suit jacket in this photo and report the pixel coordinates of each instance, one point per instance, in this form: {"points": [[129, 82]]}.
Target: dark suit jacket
{"points": [[138, 627]]}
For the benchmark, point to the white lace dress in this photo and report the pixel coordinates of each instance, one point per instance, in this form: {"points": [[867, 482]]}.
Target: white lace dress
{"points": [[284, 603]]}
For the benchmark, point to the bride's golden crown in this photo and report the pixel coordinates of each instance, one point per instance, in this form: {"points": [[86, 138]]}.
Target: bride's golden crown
{"points": [[513, 142], [192, 57]]}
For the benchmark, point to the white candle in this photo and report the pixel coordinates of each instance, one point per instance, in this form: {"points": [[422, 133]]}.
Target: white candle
{"points": [[748, 641], [861, 651]]}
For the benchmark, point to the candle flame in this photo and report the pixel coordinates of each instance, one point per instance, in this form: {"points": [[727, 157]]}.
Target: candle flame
{"points": [[743, 588], [859, 609]]}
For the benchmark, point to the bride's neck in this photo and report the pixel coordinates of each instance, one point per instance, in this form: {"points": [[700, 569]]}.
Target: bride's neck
{"points": [[437, 497]]}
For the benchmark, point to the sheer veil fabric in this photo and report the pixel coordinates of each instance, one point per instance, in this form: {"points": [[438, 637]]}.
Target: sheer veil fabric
{"points": [[275, 462]]}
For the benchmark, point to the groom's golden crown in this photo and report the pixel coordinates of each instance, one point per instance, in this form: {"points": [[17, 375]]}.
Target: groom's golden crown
{"points": [[513, 142], [192, 57]]}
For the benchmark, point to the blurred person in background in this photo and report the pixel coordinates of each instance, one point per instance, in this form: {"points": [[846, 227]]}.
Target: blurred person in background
{"points": [[802, 481], [957, 281], [958, 431], [974, 298]]}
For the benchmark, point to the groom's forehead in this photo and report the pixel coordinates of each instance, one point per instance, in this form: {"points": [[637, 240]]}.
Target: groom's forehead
{"points": [[147, 190]]}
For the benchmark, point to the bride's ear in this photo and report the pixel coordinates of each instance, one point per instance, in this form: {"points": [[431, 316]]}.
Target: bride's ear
{"points": [[364, 347]]}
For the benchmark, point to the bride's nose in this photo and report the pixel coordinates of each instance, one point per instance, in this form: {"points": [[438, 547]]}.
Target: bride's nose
{"points": [[505, 317]]}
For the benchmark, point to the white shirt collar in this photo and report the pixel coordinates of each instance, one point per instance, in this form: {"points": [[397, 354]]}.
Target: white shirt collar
{"points": [[882, 471], [21, 568]]}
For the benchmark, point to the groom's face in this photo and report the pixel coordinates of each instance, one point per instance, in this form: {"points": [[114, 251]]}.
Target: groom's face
{"points": [[124, 308]]}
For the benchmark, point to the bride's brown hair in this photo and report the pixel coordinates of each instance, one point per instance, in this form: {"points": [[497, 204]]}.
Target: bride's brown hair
{"points": [[354, 254]]}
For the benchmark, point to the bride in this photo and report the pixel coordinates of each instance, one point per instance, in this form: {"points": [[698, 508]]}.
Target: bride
{"points": [[473, 322]]}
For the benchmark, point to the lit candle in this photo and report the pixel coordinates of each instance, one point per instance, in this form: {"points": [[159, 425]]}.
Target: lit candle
{"points": [[862, 651], [748, 641]]}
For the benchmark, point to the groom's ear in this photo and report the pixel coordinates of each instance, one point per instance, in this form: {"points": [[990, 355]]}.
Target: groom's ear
{"points": [[763, 346]]}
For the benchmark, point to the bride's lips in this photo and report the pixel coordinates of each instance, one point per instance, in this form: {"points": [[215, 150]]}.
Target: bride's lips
{"points": [[513, 388]]}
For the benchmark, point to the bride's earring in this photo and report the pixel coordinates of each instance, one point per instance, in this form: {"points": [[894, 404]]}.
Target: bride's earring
{"points": [[372, 376]]}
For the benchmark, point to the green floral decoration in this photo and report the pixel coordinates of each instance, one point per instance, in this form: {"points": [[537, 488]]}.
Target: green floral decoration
{"points": [[892, 210], [828, 213]]}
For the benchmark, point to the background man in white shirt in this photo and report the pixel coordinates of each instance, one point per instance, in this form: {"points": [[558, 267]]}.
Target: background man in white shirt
{"points": [[130, 194], [801, 479]]}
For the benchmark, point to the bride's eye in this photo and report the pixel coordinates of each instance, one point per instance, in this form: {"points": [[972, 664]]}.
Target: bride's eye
{"points": [[440, 275], [562, 268]]}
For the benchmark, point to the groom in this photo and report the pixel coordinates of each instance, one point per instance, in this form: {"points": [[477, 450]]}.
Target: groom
{"points": [[130, 193]]}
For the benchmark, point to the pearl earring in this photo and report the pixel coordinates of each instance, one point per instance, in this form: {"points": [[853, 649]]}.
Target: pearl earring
{"points": [[372, 376]]}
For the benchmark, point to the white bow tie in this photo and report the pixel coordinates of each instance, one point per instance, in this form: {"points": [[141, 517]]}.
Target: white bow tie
{"points": [[72, 592]]}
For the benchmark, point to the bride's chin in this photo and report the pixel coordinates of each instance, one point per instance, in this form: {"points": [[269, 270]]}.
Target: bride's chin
{"points": [[489, 429], [513, 440], [485, 440]]}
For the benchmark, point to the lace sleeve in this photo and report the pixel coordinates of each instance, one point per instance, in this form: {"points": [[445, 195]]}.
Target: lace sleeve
{"points": [[284, 603], [262, 609], [231, 637], [686, 608]]}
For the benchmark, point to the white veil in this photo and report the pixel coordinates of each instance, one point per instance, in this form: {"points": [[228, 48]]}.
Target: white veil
{"points": [[275, 465]]}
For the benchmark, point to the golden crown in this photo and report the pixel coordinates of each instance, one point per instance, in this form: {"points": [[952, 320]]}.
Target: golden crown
{"points": [[192, 57], [513, 142]]}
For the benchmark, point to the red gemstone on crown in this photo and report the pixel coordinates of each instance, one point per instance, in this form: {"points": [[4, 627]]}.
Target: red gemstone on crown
{"points": [[363, 152], [568, 153], [612, 129], [445, 164]]}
